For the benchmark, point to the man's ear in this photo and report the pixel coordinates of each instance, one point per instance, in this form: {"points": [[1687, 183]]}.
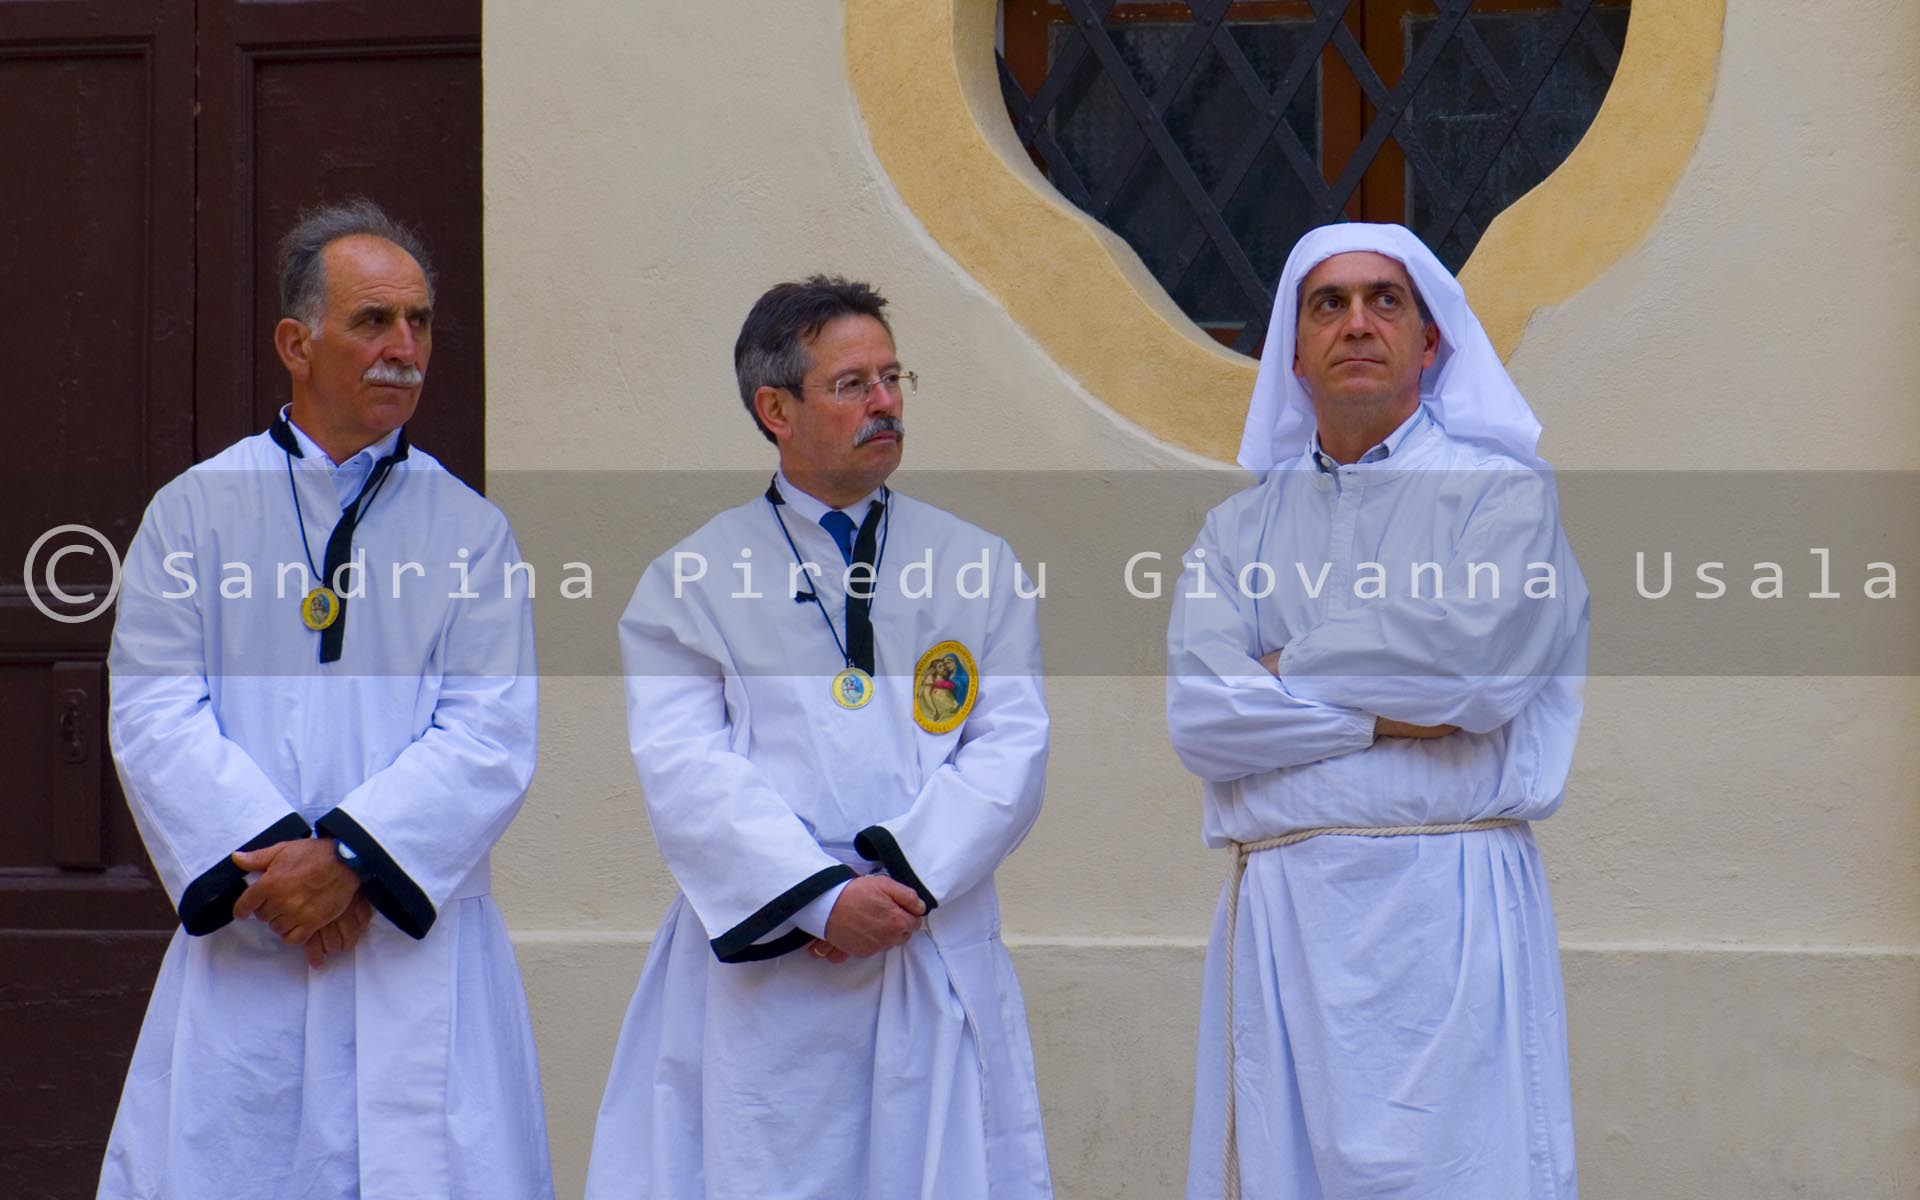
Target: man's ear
{"points": [[771, 405], [290, 338], [1432, 349], [1298, 370]]}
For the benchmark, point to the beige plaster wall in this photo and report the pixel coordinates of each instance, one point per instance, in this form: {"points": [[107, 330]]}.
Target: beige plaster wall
{"points": [[1735, 868]]}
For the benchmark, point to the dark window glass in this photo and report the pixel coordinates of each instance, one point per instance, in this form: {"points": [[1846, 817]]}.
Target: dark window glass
{"points": [[1267, 108], [1208, 118], [1455, 114]]}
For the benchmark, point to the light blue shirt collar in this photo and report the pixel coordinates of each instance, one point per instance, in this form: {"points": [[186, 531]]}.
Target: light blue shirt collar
{"points": [[1385, 449], [349, 476], [813, 508]]}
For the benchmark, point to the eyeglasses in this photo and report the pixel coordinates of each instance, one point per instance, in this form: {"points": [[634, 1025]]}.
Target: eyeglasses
{"points": [[898, 384]]}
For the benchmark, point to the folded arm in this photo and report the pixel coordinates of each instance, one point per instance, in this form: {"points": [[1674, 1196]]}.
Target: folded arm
{"points": [[1228, 715], [1470, 654]]}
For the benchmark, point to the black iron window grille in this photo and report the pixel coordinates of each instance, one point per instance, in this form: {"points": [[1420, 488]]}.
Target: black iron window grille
{"points": [[1211, 134]]}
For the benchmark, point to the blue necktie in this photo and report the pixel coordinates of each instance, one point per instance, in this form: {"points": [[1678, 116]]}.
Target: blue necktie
{"points": [[840, 525]]}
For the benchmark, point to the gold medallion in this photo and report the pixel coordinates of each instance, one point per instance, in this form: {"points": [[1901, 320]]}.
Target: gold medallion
{"points": [[320, 609], [852, 688], [945, 685]]}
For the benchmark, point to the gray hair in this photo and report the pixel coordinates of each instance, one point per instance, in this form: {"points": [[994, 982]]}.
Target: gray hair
{"points": [[771, 350], [303, 276], [1419, 301]]}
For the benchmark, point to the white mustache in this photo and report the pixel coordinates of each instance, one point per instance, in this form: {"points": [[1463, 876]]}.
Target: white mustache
{"points": [[394, 375], [879, 425]]}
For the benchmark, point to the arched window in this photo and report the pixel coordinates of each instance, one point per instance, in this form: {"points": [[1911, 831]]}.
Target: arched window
{"points": [[1211, 135]]}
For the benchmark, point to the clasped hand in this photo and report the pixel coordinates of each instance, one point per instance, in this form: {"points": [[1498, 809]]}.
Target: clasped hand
{"points": [[874, 913], [305, 895]]}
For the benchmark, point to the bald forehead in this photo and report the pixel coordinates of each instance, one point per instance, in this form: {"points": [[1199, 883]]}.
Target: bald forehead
{"points": [[367, 272], [363, 256]]}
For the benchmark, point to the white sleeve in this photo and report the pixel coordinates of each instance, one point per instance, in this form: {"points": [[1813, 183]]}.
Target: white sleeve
{"points": [[813, 917], [977, 806], [747, 864], [423, 823], [1468, 656], [1228, 716], [195, 794]]}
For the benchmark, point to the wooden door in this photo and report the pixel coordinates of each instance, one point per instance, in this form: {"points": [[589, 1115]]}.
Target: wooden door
{"points": [[96, 317], [151, 154]]}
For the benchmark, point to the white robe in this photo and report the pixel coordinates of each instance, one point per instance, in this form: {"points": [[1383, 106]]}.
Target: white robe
{"points": [[1400, 1023], [406, 1067], [907, 1074]]}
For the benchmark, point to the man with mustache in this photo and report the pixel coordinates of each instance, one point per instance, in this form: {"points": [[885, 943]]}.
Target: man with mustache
{"points": [[1382, 1013], [319, 778], [828, 1009]]}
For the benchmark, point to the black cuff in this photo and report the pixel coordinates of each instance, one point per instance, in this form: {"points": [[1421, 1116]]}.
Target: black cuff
{"points": [[736, 945], [877, 843], [393, 894], [786, 943], [207, 903]]}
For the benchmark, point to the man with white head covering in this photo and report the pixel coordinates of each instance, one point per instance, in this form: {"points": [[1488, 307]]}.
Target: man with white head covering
{"points": [[1376, 666]]}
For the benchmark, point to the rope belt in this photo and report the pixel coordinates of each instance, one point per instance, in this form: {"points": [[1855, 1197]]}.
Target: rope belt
{"points": [[1241, 851]]}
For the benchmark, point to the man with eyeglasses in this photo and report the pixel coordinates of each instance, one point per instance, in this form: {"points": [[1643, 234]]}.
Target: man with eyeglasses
{"points": [[828, 1009]]}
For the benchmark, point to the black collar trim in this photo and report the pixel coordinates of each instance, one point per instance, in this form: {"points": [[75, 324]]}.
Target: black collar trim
{"points": [[774, 497], [283, 436]]}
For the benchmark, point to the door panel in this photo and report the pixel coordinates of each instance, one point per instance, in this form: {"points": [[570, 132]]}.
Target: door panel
{"points": [[63, 1076], [96, 99], [97, 296]]}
